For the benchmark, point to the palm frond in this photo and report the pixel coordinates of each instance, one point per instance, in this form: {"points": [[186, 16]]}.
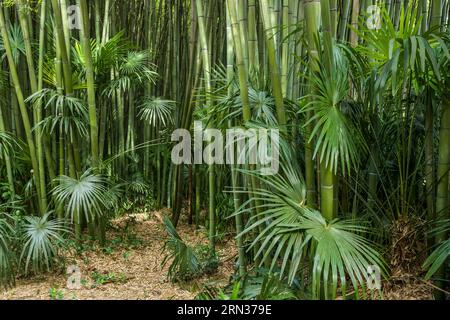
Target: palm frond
{"points": [[401, 54], [6, 265], [184, 261], [70, 116], [339, 252], [263, 106], [8, 144], [134, 69], [335, 139], [40, 238], [86, 195], [16, 41], [441, 253], [156, 111]]}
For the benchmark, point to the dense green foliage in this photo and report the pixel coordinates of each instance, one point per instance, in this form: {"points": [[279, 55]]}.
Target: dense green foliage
{"points": [[89, 99]]}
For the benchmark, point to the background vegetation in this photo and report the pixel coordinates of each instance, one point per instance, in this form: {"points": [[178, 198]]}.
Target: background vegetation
{"points": [[89, 100]]}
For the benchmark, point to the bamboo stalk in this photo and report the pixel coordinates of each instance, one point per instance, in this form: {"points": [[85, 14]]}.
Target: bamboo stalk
{"points": [[277, 90], [22, 105]]}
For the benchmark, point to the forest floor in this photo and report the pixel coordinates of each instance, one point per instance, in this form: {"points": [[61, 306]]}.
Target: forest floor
{"points": [[129, 268]]}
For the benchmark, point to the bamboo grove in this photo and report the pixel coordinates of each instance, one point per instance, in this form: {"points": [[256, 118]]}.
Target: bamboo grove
{"points": [[91, 92]]}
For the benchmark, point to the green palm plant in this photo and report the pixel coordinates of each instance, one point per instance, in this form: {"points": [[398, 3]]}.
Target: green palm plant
{"points": [[70, 113], [263, 107], [441, 253], [327, 126], [340, 252], [399, 55], [157, 111], [16, 41], [293, 233], [133, 69], [158, 116], [184, 262], [137, 64], [84, 196], [8, 144], [40, 239], [402, 63], [6, 260], [105, 56], [335, 138]]}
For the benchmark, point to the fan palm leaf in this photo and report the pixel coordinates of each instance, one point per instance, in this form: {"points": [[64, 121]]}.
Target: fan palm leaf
{"points": [[184, 260], [8, 144], [86, 195], [134, 69], [40, 238], [157, 111], [71, 113], [288, 231], [441, 253], [16, 41], [6, 265], [335, 137]]}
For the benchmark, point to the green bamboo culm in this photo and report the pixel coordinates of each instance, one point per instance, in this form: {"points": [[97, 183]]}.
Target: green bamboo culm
{"points": [[85, 39], [208, 89], [312, 22], [22, 106], [327, 174], [23, 18], [274, 67], [234, 41]]}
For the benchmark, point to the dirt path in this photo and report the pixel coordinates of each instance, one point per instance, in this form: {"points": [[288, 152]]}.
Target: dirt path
{"points": [[129, 269]]}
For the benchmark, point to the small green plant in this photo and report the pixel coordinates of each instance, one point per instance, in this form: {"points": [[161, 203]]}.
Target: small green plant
{"points": [[268, 286], [126, 255], [209, 261], [101, 279], [84, 282], [233, 295], [41, 237], [127, 239], [260, 284], [188, 262], [108, 250], [56, 294], [185, 264]]}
